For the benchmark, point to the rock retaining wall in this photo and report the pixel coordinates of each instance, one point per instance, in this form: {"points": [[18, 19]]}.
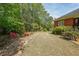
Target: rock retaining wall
{"points": [[11, 46]]}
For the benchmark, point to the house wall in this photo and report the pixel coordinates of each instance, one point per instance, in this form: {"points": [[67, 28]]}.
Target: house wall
{"points": [[55, 23], [69, 22], [66, 22]]}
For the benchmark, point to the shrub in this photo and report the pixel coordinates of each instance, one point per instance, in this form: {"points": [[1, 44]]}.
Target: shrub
{"points": [[35, 27], [71, 35], [13, 25], [67, 32], [13, 34], [45, 30], [68, 35], [60, 29]]}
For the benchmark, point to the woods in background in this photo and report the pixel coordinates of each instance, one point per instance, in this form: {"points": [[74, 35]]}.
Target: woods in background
{"points": [[24, 17]]}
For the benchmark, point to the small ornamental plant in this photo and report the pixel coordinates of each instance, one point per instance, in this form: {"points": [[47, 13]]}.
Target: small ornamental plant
{"points": [[13, 34], [26, 33]]}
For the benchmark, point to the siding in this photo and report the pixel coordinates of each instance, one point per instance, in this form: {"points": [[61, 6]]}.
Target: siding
{"points": [[69, 22]]}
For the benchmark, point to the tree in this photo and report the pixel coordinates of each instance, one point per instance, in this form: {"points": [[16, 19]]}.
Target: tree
{"points": [[21, 17], [10, 21], [35, 13]]}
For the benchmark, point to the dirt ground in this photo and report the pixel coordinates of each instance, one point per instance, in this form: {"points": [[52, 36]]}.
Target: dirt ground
{"points": [[46, 44]]}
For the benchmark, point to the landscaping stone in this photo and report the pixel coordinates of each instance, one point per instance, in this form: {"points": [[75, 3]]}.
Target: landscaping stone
{"points": [[12, 46]]}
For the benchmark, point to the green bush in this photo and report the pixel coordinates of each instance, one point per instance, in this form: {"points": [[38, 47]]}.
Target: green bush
{"points": [[13, 25], [66, 31], [60, 29], [71, 35], [35, 27]]}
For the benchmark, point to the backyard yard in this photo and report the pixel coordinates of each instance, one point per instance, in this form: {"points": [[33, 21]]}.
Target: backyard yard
{"points": [[46, 44], [30, 30]]}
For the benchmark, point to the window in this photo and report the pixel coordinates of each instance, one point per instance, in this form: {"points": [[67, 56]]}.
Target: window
{"points": [[60, 23], [77, 21]]}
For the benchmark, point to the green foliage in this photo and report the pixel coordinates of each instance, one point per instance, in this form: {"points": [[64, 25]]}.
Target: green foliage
{"points": [[66, 31], [71, 35], [21, 17], [35, 13], [60, 29], [35, 26], [10, 21], [13, 24]]}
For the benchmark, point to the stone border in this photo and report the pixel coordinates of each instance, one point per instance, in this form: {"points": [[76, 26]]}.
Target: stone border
{"points": [[26, 40]]}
